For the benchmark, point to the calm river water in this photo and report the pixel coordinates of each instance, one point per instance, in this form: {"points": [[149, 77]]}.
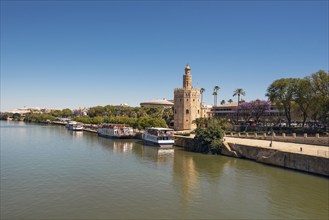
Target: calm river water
{"points": [[48, 172]]}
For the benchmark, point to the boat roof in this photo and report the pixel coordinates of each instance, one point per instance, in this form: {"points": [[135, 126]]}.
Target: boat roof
{"points": [[160, 129]]}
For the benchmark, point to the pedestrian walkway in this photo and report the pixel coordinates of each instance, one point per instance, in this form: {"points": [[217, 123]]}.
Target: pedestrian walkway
{"points": [[306, 149]]}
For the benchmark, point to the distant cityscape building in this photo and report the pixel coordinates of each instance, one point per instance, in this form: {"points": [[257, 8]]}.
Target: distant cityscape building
{"points": [[186, 103], [158, 102], [25, 110]]}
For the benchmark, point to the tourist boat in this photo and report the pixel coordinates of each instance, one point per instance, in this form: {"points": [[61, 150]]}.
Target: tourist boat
{"points": [[116, 131], [162, 137], [74, 126]]}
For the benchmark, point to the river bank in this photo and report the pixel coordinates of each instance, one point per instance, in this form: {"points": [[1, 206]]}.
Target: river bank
{"points": [[302, 157], [306, 158]]}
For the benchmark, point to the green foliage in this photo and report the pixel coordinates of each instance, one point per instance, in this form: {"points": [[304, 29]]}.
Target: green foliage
{"points": [[148, 121], [62, 113], [137, 117], [183, 134], [281, 92], [83, 119], [239, 92], [67, 113], [223, 123], [39, 118], [3, 116], [208, 136], [16, 116], [139, 123], [307, 97], [320, 87]]}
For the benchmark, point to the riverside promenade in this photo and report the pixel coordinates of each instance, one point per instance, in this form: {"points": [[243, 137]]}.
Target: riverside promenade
{"points": [[305, 149]]}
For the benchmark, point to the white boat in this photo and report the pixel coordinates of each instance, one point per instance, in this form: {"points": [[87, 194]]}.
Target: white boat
{"points": [[74, 126], [162, 137], [116, 131]]}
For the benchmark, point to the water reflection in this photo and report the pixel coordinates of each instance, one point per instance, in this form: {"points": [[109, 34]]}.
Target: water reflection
{"points": [[76, 134], [190, 170], [157, 154], [135, 147], [122, 147]]}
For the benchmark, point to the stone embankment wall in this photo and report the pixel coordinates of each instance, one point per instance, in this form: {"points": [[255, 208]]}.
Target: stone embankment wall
{"points": [[184, 142], [301, 162]]}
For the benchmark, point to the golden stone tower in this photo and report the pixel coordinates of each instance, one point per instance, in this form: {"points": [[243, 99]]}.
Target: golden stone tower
{"points": [[186, 103]]}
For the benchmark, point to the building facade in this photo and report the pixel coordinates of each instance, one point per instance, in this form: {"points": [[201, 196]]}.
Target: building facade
{"points": [[186, 103]]}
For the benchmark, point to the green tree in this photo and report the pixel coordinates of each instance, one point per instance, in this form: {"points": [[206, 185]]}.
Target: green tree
{"points": [[147, 121], [96, 111], [320, 86], [56, 113], [208, 138], [168, 115], [16, 116], [67, 112], [281, 92], [303, 97], [200, 122], [230, 101], [222, 102], [238, 92]]}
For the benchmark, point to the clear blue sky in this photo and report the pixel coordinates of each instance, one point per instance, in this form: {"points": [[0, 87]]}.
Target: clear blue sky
{"points": [[74, 54]]}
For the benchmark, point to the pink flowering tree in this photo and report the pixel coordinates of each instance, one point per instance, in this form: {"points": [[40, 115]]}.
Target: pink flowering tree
{"points": [[254, 109]]}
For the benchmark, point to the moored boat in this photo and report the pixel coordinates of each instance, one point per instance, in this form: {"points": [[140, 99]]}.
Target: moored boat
{"points": [[74, 126], [162, 137], [116, 131]]}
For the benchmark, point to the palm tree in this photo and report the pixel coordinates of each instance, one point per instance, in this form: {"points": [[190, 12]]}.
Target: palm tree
{"points": [[202, 90], [239, 92], [215, 98], [230, 101], [222, 102], [216, 88]]}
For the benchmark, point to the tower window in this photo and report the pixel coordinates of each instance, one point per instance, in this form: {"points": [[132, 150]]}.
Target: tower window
{"points": [[187, 111], [193, 100], [186, 99], [198, 111]]}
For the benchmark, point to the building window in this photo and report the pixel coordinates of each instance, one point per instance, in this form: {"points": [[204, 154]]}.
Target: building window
{"points": [[193, 100], [186, 99], [186, 120], [198, 111], [187, 111]]}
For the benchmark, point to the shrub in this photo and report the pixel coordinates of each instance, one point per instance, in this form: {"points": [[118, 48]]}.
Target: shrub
{"points": [[208, 139]]}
